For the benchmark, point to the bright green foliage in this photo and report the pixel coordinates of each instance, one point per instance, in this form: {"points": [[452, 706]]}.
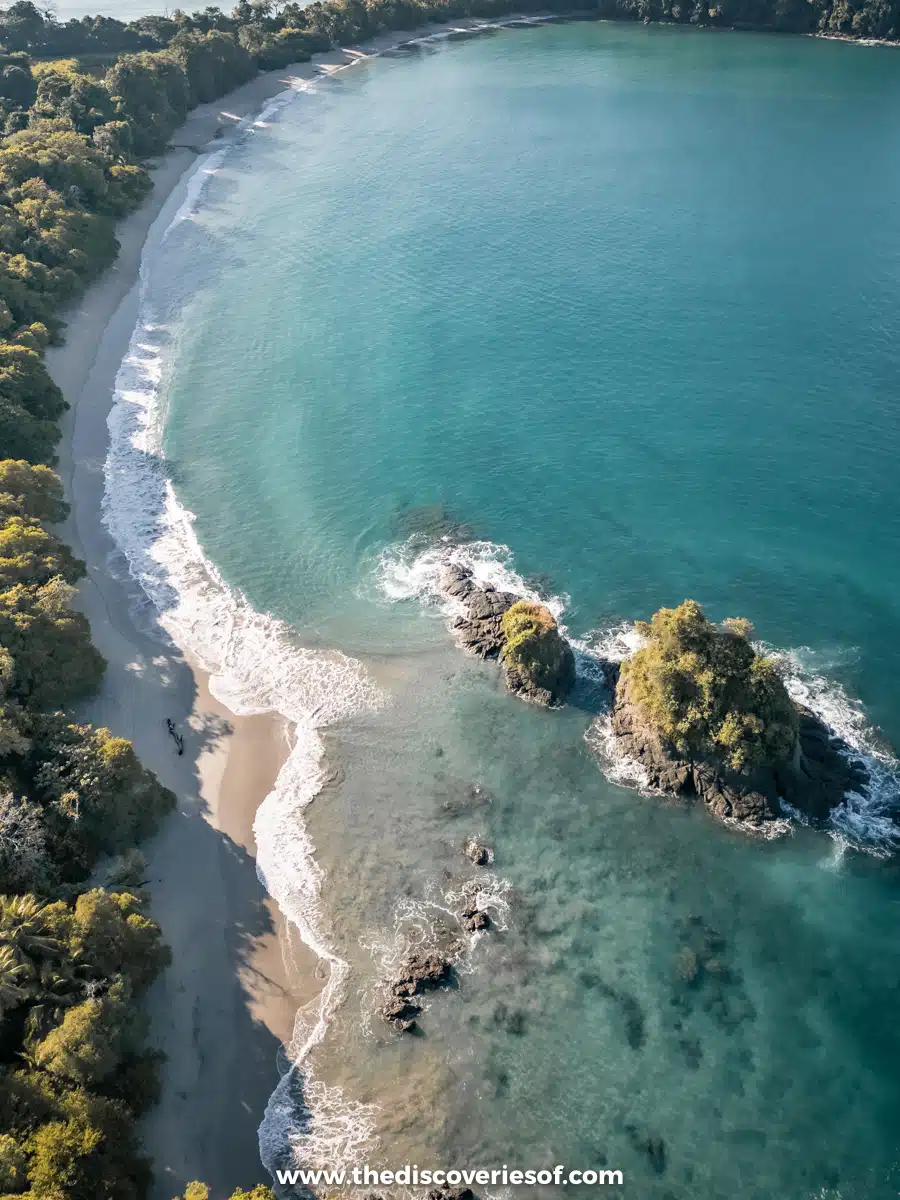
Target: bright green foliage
{"points": [[114, 140], [32, 491], [213, 63], [92, 1039], [67, 93], [150, 92], [28, 554], [194, 1191], [30, 402], [525, 626], [87, 1151], [13, 1164], [13, 990], [13, 736], [27, 931], [68, 793], [708, 692], [56, 949], [99, 798], [71, 970], [54, 661], [109, 933], [63, 159], [535, 648]]}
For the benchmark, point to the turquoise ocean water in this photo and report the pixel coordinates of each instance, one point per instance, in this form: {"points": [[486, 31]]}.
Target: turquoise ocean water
{"points": [[624, 301]]}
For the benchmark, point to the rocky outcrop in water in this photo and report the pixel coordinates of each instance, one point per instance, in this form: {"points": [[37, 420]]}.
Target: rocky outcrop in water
{"points": [[537, 661], [479, 629], [477, 853], [814, 781], [473, 918], [424, 971], [431, 523], [469, 798], [419, 973]]}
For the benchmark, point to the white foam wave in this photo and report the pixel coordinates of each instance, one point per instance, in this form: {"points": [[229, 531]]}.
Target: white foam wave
{"points": [[489, 893], [615, 644], [865, 821], [255, 665], [618, 768], [405, 572]]}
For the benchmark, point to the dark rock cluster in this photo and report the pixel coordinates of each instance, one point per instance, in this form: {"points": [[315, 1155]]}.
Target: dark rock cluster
{"points": [[814, 781], [419, 973], [479, 629], [472, 918], [478, 854], [705, 979], [542, 669]]}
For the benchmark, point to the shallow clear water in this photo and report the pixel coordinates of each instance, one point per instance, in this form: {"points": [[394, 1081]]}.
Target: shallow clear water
{"points": [[623, 300]]}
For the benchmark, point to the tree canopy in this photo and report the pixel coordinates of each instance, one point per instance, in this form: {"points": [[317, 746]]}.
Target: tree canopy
{"points": [[708, 691]]}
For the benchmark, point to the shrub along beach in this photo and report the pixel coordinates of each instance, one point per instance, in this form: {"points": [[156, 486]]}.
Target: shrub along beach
{"points": [[83, 106]]}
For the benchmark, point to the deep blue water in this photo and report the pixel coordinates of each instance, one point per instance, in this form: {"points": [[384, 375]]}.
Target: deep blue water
{"points": [[624, 300]]}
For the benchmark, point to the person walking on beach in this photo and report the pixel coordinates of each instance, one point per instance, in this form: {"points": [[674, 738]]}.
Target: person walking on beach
{"points": [[176, 736]]}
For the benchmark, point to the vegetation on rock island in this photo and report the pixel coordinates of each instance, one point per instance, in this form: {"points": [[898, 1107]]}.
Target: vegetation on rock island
{"points": [[537, 659], [708, 692]]}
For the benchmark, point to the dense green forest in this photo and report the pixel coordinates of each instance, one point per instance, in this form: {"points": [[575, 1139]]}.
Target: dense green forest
{"points": [[83, 105]]}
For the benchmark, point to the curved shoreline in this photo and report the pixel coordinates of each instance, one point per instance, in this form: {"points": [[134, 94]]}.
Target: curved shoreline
{"points": [[226, 1008]]}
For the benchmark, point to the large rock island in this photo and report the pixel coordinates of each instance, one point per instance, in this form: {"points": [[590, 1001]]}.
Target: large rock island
{"points": [[537, 661], [707, 715]]}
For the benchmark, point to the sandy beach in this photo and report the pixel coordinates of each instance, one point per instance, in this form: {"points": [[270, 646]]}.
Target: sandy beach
{"points": [[225, 1008]]}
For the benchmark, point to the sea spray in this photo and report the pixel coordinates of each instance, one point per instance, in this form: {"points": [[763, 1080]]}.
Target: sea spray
{"points": [[869, 821], [407, 571]]}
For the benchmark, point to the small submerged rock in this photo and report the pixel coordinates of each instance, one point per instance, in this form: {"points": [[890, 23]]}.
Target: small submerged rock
{"points": [[477, 853], [650, 1145], [473, 796], [473, 919], [431, 523]]}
